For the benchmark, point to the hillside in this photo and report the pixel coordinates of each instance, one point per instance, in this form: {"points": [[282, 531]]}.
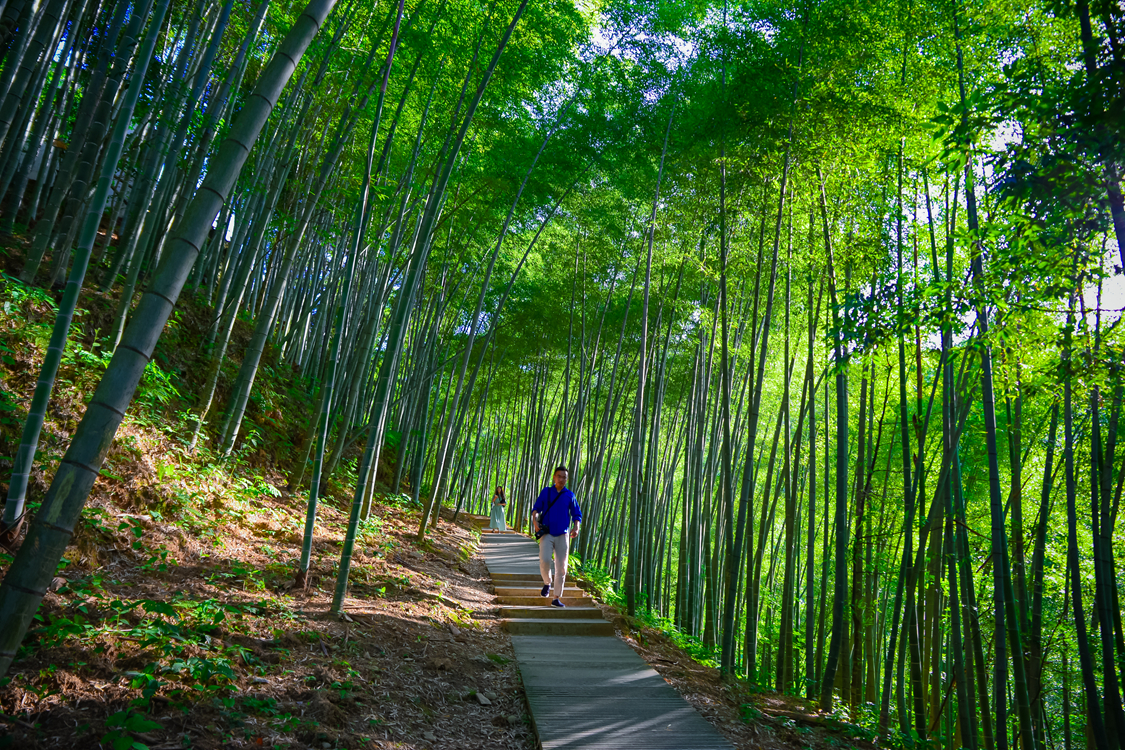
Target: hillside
{"points": [[173, 621]]}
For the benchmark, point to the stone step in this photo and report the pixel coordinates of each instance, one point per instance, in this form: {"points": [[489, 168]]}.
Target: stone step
{"points": [[488, 539], [533, 590], [598, 694], [535, 626], [551, 613], [538, 601], [532, 587], [585, 688], [533, 580]]}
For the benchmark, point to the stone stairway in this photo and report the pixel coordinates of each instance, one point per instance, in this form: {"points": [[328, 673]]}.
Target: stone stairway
{"points": [[586, 690], [513, 562]]}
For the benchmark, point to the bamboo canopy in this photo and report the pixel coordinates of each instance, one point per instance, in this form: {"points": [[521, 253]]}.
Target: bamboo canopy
{"points": [[819, 302]]}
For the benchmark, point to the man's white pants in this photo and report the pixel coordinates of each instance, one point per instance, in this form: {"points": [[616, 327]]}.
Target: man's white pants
{"points": [[560, 547]]}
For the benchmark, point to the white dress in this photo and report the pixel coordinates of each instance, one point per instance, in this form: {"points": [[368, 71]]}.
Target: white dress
{"points": [[496, 520]]}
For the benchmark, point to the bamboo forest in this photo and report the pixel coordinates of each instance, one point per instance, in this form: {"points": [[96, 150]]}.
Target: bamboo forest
{"points": [[818, 301]]}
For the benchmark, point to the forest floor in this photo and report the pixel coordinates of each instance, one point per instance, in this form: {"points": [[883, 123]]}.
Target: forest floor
{"points": [[172, 622]]}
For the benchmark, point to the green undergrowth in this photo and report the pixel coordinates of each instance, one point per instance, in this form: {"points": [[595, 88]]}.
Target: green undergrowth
{"points": [[189, 483], [166, 645], [172, 619], [608, 590], [844, 727], [274, 426], [184, 651]]}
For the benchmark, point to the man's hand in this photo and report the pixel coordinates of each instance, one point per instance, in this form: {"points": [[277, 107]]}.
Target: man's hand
{"points": [[574, 532]]}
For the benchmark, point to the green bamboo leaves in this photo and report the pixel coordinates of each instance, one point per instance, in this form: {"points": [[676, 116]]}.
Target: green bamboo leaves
{"points": [[698, 256]]}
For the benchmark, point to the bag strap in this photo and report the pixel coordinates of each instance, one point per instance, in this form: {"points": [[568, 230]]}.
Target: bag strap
{"points": [[552, 503]]}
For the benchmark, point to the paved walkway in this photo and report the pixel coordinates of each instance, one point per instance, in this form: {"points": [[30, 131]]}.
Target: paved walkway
{"points": [[585, 688]]}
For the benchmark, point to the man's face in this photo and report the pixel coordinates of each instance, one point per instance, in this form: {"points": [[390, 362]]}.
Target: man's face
{"points": [[560, 478]]}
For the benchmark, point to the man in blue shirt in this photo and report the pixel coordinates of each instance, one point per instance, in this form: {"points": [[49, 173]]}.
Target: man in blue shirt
{"points": [[555, 511]]}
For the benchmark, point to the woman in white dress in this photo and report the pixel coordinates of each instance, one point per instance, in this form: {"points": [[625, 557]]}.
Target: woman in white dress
{"points": [[496, 519]]}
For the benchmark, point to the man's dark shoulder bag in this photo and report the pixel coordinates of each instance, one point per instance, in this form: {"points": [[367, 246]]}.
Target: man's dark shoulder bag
{"points": [[542, 532]]}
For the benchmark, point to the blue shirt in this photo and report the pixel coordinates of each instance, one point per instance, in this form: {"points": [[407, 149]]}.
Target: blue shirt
{"points": [[557, 519]]}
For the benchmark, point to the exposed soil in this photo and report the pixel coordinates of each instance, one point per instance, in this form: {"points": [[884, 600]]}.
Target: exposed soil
{"points": [[403, 670]]}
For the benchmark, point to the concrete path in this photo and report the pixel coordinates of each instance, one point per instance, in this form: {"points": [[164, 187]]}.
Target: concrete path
{"points": [[586, 689]]}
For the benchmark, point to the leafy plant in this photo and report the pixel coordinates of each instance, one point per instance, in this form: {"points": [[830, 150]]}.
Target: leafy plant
{"points": [[9, 410], [369, 529], [123, 725], [252, 579], [137, 527], [209, 672], [157, 562], [604, 587], [157, 388]]}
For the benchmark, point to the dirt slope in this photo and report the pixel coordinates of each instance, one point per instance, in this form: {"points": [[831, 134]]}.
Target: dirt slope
{"points": [[213, 651]]}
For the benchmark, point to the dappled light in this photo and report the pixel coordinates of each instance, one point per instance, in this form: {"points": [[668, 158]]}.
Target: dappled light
{"points": [[816, 306]]}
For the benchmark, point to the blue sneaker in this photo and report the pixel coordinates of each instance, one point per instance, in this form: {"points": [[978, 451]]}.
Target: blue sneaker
{"points": [[544, 591], [557, 603]]}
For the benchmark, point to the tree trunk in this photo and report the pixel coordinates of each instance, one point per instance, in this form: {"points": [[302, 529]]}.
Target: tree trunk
{"points": [[35, 563]]}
